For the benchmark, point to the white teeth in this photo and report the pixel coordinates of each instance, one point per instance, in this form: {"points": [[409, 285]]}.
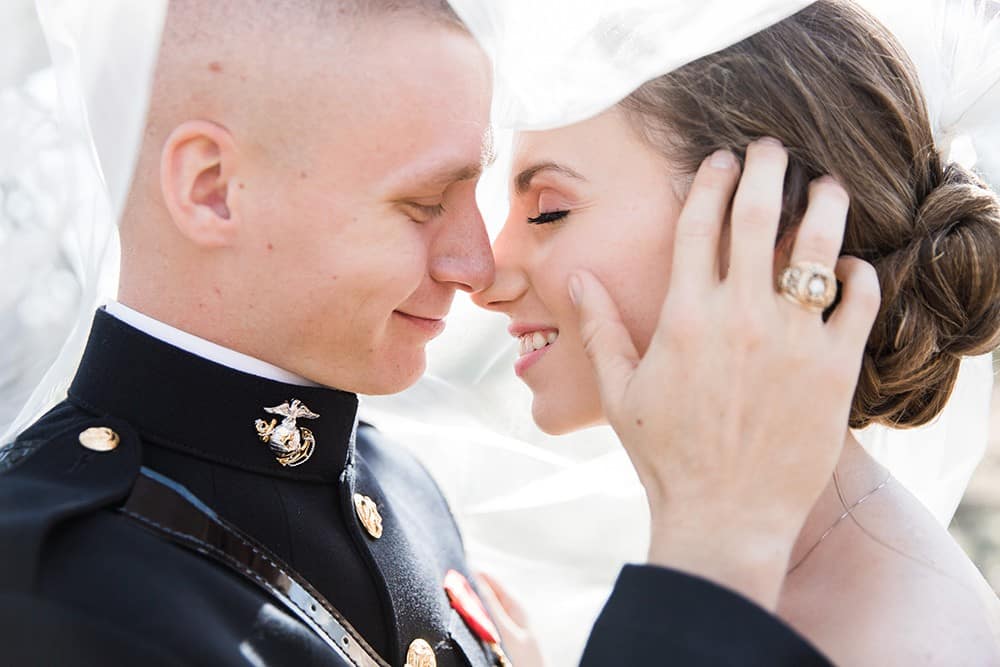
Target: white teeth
{"points": [[536, 341]]}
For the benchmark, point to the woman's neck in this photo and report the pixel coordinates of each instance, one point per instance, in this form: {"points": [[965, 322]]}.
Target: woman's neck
{"points": [[857, 475]]}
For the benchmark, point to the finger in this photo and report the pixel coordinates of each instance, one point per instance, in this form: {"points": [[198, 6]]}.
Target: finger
{"points": [[497, 610], [699, 227], [821, 233], [513, 609], [604, 335], [756, 213], [852, 319]]}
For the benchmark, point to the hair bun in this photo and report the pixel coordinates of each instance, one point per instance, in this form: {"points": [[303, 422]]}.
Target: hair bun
{"points": [[940, 302]]}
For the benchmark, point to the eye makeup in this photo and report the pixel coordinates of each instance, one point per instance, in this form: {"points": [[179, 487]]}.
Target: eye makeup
{"points": [[547, 217]]}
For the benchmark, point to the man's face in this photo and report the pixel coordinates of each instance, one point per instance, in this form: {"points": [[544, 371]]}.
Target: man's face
{"points": [[361, 222]]}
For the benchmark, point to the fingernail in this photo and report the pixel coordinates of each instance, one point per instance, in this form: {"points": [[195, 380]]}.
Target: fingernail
{"points": [[770, 141], [575, 289], [722, 159]]}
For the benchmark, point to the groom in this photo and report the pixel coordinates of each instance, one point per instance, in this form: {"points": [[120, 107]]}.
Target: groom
{"points": [[301, 217]]}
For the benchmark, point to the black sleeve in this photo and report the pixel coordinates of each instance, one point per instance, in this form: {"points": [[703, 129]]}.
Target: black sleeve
{"points": [[34, 632], [660, 616]]}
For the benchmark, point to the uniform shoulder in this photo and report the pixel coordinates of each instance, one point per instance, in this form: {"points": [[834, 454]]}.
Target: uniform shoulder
{"points": [[68, 465], [30, 441]]}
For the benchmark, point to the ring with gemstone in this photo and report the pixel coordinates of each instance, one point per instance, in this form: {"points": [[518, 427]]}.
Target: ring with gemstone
{"points": [[808, 284]]}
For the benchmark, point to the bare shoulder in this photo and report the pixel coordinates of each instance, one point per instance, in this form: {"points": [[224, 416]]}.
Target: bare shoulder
{"points": [[894, 589]]}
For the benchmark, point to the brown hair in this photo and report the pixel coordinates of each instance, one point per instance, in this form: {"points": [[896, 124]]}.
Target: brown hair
{"points": [[837, 89]]}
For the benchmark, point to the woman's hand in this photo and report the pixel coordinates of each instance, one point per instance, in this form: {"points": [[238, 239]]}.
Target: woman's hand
{"points": [[736, 414], [515, 631]]}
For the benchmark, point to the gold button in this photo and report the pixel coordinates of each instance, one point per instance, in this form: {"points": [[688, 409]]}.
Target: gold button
{"points": [[420, 654], [99, 439], [368, 513]]}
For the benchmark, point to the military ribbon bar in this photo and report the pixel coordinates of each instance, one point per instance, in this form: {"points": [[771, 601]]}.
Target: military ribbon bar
{"points": [[468, 605]]}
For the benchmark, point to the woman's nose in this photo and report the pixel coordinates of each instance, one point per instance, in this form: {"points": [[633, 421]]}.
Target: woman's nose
{"points": [[508, 286], [510, 281]]}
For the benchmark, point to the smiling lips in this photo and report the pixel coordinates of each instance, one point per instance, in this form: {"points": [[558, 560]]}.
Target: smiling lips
{"points": [[430, 326], [536, 340]]}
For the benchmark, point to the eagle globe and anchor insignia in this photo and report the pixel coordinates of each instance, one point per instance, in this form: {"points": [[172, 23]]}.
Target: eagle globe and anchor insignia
{"points": [[290, 443]]}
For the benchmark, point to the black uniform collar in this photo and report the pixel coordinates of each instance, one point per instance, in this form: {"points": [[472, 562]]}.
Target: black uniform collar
{"points": [[189, 404]]}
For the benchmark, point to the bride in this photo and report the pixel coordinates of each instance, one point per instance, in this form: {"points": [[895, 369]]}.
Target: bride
{"points": [[873, 577]]}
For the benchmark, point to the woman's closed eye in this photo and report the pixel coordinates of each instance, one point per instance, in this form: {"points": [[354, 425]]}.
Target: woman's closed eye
{"points": [[548, 216]]}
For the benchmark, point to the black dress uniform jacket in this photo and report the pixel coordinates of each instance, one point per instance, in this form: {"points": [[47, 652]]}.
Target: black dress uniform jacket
{"points": [[188, 543]]}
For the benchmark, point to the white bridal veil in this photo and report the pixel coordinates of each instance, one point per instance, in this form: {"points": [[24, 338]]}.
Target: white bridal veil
{"points": [[553, 518], [556, 517], [72, 109]]}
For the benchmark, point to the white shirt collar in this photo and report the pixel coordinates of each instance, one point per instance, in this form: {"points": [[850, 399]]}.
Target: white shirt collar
{"points": [[204, 348]]}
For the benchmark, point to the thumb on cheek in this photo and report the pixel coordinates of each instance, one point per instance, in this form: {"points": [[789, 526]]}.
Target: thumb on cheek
{"points": [[604, 335]]}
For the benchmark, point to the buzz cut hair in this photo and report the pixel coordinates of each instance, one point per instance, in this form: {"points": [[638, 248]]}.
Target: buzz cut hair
{"points": [[433, 9], [320, 13]]}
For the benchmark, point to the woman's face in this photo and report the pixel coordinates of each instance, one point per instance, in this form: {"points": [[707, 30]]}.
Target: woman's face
{"points": [[589, 196]]}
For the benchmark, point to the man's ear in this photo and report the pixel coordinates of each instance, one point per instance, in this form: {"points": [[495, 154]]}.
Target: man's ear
{"points": [[196, 166]]}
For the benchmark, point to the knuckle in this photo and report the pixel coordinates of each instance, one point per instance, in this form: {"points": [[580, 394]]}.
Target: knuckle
{"points": [[698, 227], [684, 326], [752, 209], [822, 240], [746, 330], [590, 334], [685, 322]]}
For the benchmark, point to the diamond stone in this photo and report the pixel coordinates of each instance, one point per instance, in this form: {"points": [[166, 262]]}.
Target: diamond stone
{"points": [[816, 287]]}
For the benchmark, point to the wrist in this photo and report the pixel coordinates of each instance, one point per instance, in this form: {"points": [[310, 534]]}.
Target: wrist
{"points": [[748, 556]]}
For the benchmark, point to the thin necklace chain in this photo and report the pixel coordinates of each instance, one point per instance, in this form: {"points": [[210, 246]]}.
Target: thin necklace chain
{"points": [[843, 516]]}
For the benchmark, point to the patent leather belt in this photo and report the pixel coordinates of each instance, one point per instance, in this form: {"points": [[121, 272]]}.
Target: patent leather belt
{"points": [[169, 509]]}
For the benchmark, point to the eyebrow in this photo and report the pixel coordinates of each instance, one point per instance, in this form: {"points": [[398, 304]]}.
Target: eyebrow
{"points": [[522, 183], [449, 176]]}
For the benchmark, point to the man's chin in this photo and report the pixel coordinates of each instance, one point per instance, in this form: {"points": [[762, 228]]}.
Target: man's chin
{"points": [[392, 378]]}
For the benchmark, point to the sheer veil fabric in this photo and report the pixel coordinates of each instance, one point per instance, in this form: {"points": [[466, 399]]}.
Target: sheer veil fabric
{"points": [[73, 121], [554, 518]]}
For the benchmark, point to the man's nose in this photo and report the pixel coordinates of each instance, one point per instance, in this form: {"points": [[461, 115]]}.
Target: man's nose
{"points": [[461, 253]]}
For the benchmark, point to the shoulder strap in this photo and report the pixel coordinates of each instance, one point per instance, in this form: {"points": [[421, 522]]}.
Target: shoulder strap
{"points": [[59, 481], [169, 509]]}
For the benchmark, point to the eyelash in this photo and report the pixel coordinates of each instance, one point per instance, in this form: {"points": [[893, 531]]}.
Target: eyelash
{"points": [[550, 216], [431, 212]]}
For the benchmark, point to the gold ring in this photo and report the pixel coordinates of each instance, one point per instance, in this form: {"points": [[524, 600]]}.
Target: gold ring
{"points": [[808, 284]]}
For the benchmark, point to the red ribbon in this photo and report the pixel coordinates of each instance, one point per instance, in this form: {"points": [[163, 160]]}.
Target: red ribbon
{"points": [[465, 601]]}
